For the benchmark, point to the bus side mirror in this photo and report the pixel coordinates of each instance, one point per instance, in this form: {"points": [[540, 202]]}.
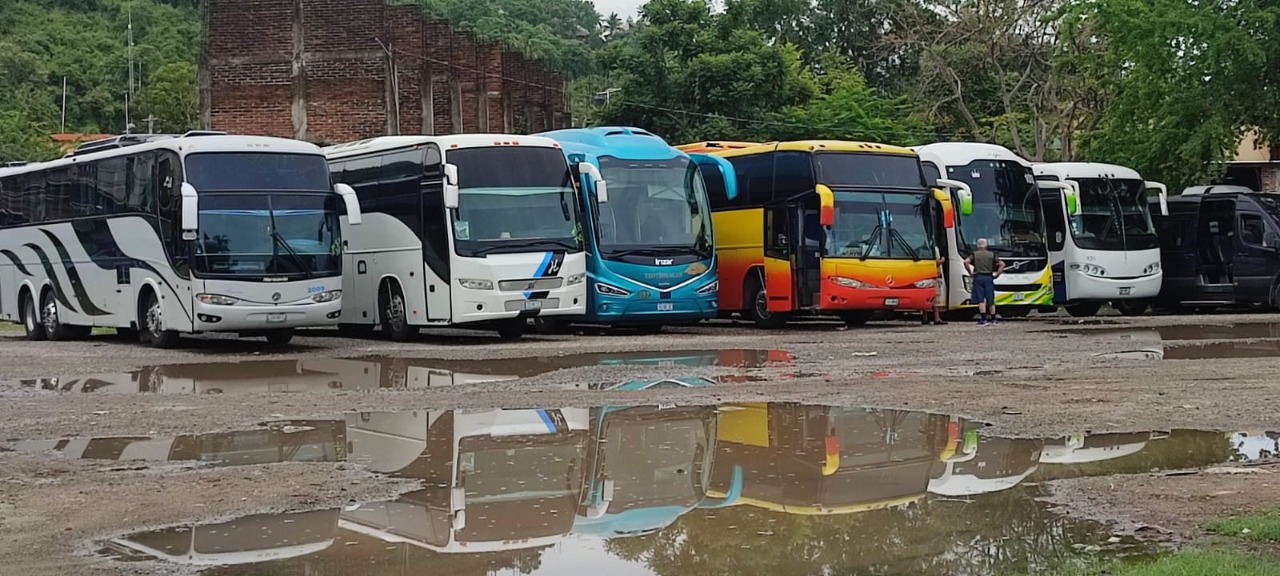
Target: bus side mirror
{"points": [[348, 194], [963, 193], [1163, 192], [457, 499], [451, 192], [727, 174], [597, 181], [190, 211]]}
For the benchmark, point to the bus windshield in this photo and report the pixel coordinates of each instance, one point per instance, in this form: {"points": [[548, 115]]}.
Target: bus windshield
{"points": [[1006, 208], [656, 465], [654, 204], [514, 199], [248, 234], [881, 225], [1114, 215]]}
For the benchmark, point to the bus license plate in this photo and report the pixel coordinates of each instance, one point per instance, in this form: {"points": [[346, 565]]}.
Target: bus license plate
{"points": [[275, 318], [533, 305], [666, 307], [1126, 291], [1019, 297], [890, 301]]}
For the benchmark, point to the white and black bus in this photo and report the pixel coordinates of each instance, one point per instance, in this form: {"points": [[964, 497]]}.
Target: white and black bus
{"points": [[470, 230], [162, 235]]}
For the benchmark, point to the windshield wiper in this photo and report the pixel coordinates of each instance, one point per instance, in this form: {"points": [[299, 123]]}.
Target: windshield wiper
{"points": [[566, 244], [894, 233], [875, 235], [293, 254]]}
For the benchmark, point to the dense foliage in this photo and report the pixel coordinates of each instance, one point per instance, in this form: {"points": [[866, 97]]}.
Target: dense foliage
{"points": [[1166, 86]]}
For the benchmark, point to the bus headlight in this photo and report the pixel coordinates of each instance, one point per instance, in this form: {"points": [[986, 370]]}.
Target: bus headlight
{"points": [[1151, 269], [329, 296], [217, 299], [927, 283], [472, 284], [1089, 269], [577, 278], [846, 282], [711, 288], [610, 290]]}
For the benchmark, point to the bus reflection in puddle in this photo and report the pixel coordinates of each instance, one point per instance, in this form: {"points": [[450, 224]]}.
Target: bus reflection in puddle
{"points": [[756, 487], [321, 374]]}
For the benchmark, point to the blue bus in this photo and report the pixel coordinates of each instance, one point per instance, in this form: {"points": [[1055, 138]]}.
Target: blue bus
{"points": [[651, 253]]}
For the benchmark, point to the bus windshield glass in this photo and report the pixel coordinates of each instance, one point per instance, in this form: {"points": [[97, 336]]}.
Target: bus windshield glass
{"points": [[257, 171], [1114, 215], [654, 204], [860, 169], [517, 473], [514, 199], [656, 464], [1006, 208], [289, 235], [881, 225]]}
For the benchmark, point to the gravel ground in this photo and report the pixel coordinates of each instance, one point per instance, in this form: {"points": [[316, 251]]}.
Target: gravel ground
{"points": [[1025, 377]]}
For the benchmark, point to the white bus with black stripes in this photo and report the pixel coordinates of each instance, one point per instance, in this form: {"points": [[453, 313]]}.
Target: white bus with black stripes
{"points": [[162, 235], [466, 230]]}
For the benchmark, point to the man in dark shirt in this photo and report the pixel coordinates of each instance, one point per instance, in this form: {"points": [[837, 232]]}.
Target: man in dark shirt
{"points": [[984, 266]]}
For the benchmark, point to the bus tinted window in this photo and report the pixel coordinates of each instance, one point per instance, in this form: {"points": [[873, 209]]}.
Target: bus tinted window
{"points": [[842, 169], [793, 174], [510, 167], [755, 178], [931, 173], [255, 171]]}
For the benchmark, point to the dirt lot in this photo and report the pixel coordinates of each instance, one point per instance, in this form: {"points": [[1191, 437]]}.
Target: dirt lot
{"points": [[1028, 378]]}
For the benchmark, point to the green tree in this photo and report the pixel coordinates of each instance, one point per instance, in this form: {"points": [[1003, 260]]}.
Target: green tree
{"points": [[170, 94]]}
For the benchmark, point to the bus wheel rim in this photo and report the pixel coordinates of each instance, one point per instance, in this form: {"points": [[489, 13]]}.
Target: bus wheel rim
{"points": [[762, 304], [154, 318], [31, 316], [396, 312], [49, 316]]}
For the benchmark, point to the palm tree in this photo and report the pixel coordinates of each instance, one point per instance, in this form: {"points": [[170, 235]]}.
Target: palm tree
{"points": [[612, 25]]}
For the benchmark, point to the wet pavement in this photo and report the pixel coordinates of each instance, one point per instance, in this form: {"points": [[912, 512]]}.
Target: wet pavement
{"points": [[378, 372], [739, 488], [1192, 342]]}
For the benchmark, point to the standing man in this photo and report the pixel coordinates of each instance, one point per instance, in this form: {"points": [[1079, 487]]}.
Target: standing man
{"points": [[984, 266]]}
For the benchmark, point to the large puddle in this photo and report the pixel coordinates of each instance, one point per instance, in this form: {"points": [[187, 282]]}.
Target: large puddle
{"points": [[1193, 342], [396, 373], [740, 488]]}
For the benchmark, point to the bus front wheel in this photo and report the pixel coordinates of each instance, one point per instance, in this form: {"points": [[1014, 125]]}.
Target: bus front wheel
{"points": [[760, 313], [512, 329], [280, 337], [395, 317], [1131, 307], [1084, 309], [31, 319], [153, 319]]}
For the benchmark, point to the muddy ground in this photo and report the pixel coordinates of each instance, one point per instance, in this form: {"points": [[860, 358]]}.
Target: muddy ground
{"points": [[1027, 378]]}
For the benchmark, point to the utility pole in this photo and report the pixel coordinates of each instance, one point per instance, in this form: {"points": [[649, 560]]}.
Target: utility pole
{"points": [[63, 129], [151, 123]]}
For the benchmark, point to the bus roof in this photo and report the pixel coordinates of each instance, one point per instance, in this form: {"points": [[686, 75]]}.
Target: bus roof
{"points": [[1087, 170], [715, 146], [743, 149], [385, 143], [965, 153], [616, 141], [182, 144]]}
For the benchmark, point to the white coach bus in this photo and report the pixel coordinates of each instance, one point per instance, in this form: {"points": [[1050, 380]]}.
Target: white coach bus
{"points": [[1103, 245], [471, 230], [162, 235]]}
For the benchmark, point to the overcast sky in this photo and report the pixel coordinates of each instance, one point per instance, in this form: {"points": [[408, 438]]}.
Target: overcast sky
{"points": [[624, 8]]}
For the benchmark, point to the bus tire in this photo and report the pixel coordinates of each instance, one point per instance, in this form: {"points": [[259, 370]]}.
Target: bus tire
{"points": [[395, 314], [1083, 309], [1131, 307], [31, 319], [512, 329], [280, 337], [54, 329], [855, 318], [759, 307], [153, 320], [128, 334]]}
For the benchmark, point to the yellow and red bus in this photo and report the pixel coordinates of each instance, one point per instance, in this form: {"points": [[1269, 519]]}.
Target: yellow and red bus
{"points": [[824, 227]]}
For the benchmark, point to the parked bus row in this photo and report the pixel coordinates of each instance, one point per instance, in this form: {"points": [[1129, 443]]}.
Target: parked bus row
{"points": [[161, 235], [519, 479]]}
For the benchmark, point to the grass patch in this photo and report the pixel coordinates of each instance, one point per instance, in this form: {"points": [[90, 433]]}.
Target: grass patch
{"points": [[1186, 564], [8, 327], [1259, 528]]}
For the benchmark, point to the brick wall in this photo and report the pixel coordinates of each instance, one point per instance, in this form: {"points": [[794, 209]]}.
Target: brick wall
{"points": [[340, 70]]}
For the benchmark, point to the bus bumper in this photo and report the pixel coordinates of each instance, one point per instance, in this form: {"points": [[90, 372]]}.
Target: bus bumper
{"points": [[472, 306], [836, 298], [1084, 287], [242, 317], [631, 310]]}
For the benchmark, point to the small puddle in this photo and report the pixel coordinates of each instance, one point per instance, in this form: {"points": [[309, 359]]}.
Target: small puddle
{"points": [[1256, 340], [1244, 331], [757, 488], [327, 374]]}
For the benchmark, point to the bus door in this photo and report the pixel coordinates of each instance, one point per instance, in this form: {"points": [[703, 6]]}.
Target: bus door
{"points": [[1055, 219], [435, 238], [1255, 259], [808, 268], [778, 249], [793, 254], [1217, 241]]}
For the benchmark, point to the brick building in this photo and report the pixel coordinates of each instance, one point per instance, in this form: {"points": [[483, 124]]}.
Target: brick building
{"points": [[1256, 166], [333, 71]]}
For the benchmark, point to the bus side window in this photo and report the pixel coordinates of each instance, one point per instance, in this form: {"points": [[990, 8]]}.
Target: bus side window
{"points": [[61, 194], [931, 173], [714, 181], [113, 193], [141, 184], [793, 174], [167, 185], [755, 179], [33, 197], [433, 166], [6, 198]]}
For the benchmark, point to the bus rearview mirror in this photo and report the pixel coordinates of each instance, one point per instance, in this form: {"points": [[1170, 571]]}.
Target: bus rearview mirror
{"points": [[348, 194], [1163, 192], [190, 211], [451, 191], [597, 181], [963, 193]]}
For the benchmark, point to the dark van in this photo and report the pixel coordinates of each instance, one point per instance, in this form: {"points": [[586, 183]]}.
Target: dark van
{"points": [[1220, 246]]}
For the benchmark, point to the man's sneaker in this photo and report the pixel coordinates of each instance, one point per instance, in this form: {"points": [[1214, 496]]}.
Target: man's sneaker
{"points": [[982, 322], [994, 322]]}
